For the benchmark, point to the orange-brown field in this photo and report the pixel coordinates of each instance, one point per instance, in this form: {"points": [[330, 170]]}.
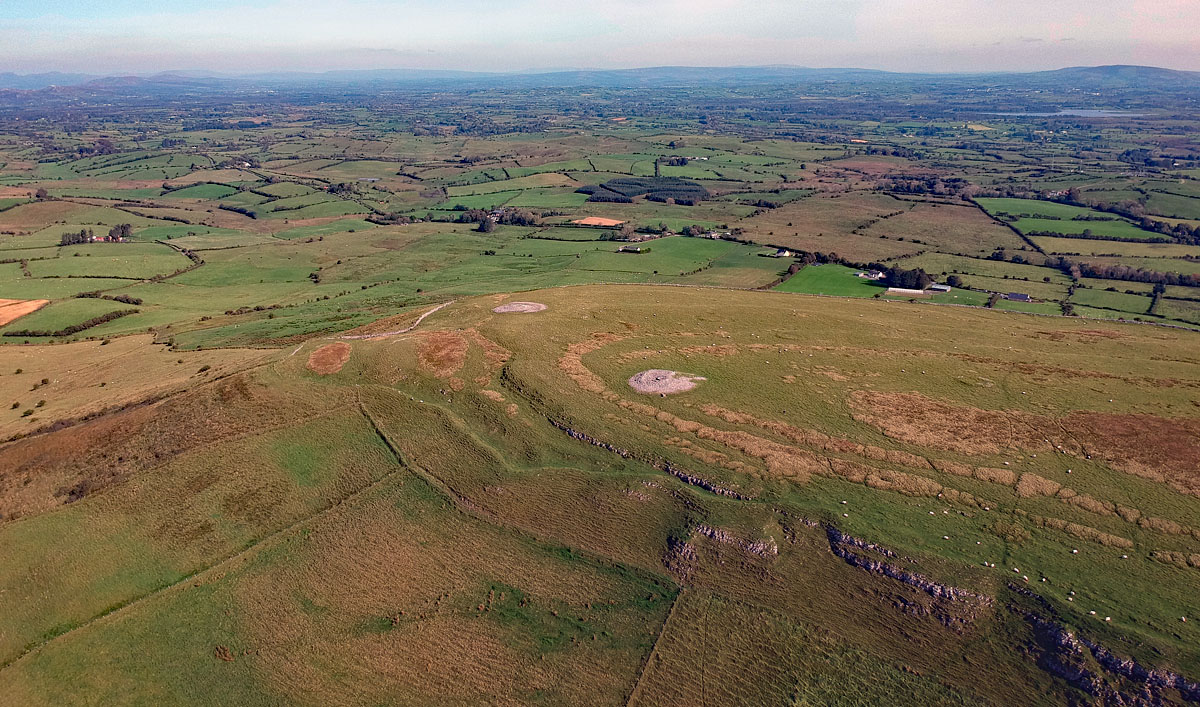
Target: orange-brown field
{"points": [[13, 309]]}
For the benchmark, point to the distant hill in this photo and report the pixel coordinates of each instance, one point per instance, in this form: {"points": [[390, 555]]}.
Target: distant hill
{"points": [[1091, 77], [29, 82], [1121, 76]]}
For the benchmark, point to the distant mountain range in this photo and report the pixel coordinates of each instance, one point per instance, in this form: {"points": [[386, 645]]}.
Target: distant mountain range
{"points": [[1090, 77]]}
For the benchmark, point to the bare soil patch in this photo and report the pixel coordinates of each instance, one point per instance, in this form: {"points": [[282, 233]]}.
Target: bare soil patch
{"points": [[597, 221], [520, 308], [658, 381], [329, 359], [13, 309]]}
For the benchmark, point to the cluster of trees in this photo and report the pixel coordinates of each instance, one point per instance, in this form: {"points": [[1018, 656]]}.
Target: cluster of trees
{"points": [[103, 146], [343, 188], [390, 218], [239, 210], [894, 152], [507, 217], [123, 299], [929, 184], [916, 279], [74, 328], [663, 189], [85, 235], [676, 161], [479, 126], [1142, 156], [1076, 269]]}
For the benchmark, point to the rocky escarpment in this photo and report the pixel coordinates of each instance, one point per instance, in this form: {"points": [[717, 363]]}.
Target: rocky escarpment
{"points": [[661, 465], [841, 545], [1066, 655], [760, 548]]}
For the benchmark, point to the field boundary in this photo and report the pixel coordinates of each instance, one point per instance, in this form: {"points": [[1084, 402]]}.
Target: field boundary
{"points": [[254, 547]]}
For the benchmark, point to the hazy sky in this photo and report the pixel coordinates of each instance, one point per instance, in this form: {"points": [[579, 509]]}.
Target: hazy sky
{"points": [[109, 36]]}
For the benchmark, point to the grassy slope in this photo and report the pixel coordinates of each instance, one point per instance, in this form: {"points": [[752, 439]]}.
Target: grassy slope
{"points": [[528, 555]]}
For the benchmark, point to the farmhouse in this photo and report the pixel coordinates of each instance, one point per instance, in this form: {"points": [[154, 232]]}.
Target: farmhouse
{"points": [[782, 253], [632, 249], [869, 274], [1018, 297]]}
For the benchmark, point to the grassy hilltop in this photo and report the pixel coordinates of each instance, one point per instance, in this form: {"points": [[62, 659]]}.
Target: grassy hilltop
{"points": [[470, 512]]}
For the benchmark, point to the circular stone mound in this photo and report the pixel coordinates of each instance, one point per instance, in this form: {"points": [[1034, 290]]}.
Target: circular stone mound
{"points": [[519, 307], [663, 382]]}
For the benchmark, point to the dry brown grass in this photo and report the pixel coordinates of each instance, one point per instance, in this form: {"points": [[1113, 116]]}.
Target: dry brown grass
{"points": [[45, 471], [1083, 532], [442, 353], [87, 377], [1155, 448], [917, 419], [329, 359], [1031, 485], [996, 476]]}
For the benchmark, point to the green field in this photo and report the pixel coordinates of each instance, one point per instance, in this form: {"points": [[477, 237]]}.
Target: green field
{"points": [[830, 280]]}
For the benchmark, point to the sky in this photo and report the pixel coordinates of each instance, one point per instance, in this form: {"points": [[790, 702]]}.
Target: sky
{"points": [[124, 36]]}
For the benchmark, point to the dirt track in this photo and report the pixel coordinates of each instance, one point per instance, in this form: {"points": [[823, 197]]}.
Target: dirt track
{"points": [[405, 330]]}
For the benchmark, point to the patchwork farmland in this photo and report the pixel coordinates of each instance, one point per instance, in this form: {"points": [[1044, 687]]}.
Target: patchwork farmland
{"points": [[644, 396]]}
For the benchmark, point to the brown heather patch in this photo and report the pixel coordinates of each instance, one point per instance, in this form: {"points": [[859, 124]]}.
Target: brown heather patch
{"points": [[1179, 559], [996, 476], [815, 439], [1129, 515], [831, 373], [920, 420], [1082, 532], [571, 363], [492, 395], [1033, 485], [45, 471], [1155, 448], [442, 353], [1163, 525], [1087, 503], [511, 410], [494, 355], [952, 467], [329, 359]]}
